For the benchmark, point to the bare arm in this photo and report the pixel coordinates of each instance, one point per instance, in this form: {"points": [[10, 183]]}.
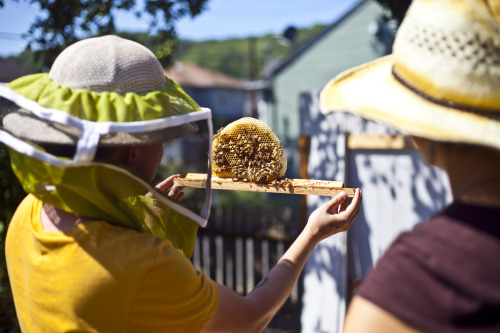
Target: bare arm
{"points": [[253, 312]]}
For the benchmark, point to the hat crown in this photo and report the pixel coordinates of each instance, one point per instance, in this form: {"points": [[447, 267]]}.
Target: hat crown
{"points": [[108, 64], [450, 52]]}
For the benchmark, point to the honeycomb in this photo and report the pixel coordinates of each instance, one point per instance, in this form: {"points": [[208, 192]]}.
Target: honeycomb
{"points": [[248, 150]]}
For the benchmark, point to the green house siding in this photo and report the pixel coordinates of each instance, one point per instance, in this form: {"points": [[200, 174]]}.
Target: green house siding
{"points": [[345, 45]]}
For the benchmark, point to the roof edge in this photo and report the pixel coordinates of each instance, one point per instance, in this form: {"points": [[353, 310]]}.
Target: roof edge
{"points": [[318, 36]]}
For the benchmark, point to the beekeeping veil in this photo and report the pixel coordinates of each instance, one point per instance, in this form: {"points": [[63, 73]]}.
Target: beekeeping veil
{"points": [[102, 92]]}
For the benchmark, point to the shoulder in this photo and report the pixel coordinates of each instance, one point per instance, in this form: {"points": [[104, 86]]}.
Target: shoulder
{"points": [[429, 272], [24, 219], [365, 316], [28, 208]]}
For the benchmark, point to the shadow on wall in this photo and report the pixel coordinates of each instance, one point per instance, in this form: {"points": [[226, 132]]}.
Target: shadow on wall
{"points": [[432, 181], [399, 191]]}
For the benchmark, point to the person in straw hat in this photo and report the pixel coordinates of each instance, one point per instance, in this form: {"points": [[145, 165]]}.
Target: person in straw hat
{"points": [[441, 85], [94, 247]]}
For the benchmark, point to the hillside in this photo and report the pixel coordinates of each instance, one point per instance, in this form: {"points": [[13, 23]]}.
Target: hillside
{"points": [[232, 56]]}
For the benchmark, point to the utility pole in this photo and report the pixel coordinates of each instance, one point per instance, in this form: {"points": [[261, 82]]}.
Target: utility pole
{"points": [[251, 75]]}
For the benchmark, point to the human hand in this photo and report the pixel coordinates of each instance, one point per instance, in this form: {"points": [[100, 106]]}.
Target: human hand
{"points": [[173, 191], [334, 216]]}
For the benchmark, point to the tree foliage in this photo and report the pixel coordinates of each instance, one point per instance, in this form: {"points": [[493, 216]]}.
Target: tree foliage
{"points": [[60, 23], [11, 194], [395, 9]]}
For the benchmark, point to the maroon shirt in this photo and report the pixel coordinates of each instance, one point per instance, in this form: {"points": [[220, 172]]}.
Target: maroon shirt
{"points": [[444, 275]]}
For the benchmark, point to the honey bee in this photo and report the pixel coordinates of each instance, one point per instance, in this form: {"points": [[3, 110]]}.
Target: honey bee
{"points": [[248, 153]]}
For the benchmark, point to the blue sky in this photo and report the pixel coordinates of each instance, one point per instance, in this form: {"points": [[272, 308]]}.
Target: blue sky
{"points": [[221, 19]]}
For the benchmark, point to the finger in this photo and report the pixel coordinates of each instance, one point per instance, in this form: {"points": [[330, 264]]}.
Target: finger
{"points": [[344, 205], [175, 190], [167, 183], [355, 206], [335, 202], [179, 196]]}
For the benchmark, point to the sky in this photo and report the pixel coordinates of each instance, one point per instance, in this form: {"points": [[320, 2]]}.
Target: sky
{"points": [[221, 19]]}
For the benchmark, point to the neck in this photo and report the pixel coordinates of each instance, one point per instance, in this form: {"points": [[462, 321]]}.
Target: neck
{"points": [[484, 192], [476, 180], [54, 219]]}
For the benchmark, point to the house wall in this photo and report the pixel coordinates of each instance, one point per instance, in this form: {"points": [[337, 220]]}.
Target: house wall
{"points": [[347, 44], [226, 104], [10, 69]]}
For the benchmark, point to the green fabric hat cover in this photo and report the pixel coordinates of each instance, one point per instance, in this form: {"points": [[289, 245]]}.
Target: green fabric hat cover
{"points": [[97, 190]]}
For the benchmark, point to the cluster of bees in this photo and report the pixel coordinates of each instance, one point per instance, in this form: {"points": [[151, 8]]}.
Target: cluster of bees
{"points": [[247, 153]]}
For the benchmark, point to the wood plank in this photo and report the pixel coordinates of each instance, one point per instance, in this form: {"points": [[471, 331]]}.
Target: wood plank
{"points": [[304, 151], [296, 186], [379, 142]]}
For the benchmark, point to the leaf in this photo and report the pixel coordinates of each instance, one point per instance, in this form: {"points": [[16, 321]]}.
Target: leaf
{"points": [[59, 21]]}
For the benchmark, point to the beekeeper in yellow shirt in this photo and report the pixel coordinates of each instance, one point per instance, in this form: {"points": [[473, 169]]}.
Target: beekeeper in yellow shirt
{"points": [[87, 250]]}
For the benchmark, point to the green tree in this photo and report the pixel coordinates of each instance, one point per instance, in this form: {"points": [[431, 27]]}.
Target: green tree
{"points": [[60, 23], [395, 9], [11, 194]]}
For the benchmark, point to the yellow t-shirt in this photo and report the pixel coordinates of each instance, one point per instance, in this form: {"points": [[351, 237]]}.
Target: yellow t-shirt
{"points": [[98, 277]]}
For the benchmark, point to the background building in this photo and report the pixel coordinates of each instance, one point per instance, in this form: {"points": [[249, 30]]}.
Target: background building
{"points": [[356, 37]]}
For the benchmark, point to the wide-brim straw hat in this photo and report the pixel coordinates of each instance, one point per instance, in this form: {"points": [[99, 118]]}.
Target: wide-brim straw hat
{"points": [[100, 79], [442, 81]]}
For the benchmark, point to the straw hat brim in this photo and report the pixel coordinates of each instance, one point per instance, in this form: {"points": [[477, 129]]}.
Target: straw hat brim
{"points": [[372, 91]]}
